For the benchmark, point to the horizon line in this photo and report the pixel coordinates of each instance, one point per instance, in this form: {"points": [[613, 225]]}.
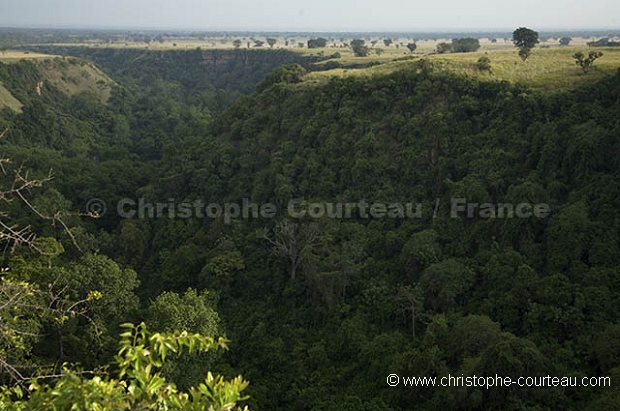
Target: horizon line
{"points": [[237, 30]]}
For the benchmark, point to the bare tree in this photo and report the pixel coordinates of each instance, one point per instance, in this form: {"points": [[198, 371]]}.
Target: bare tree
{"points": [[19, 188], [289, 240], [19, 299], [410, 300]]}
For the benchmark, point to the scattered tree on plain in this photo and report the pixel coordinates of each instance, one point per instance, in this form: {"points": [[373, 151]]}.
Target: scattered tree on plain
{"points": [[525, 40], [444, 47], [465, 45], [586, 62], [461, 45], [484, 63], [412, 47], [271, 41], [565, 41], [317, 43], [359, 48]]}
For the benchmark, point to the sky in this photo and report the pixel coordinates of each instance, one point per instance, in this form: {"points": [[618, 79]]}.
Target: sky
{"points": [[313, 15]]}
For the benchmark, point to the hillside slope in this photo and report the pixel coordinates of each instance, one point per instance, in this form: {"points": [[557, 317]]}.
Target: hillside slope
{"points": [[26, 78], [216, 78], [7, 100], [539, 293]]}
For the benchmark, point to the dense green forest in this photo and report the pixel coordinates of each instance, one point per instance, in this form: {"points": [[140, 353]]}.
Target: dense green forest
{"points": [[319, 310]]}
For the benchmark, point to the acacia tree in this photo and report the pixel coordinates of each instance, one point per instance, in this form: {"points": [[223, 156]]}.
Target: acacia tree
{"points": [[271, 41], [412, 47], [525, 40]]}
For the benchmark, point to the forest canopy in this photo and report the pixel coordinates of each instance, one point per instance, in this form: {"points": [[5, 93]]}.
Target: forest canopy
{"points": [[316, 311]]}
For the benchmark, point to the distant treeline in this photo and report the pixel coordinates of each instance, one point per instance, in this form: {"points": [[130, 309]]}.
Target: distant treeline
{"points": [[11, 37]]}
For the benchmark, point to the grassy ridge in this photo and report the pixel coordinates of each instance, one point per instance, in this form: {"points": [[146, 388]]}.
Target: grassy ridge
{"points": [[12, 56], [70, 76]]}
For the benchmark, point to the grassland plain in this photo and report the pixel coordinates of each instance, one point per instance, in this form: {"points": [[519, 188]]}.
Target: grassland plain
{"points": [[550, 66], [10, 56], [398, 46], [547, 69]]}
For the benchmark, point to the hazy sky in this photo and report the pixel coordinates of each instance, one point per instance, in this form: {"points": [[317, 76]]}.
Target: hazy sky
{"points": [[313, 15]]}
